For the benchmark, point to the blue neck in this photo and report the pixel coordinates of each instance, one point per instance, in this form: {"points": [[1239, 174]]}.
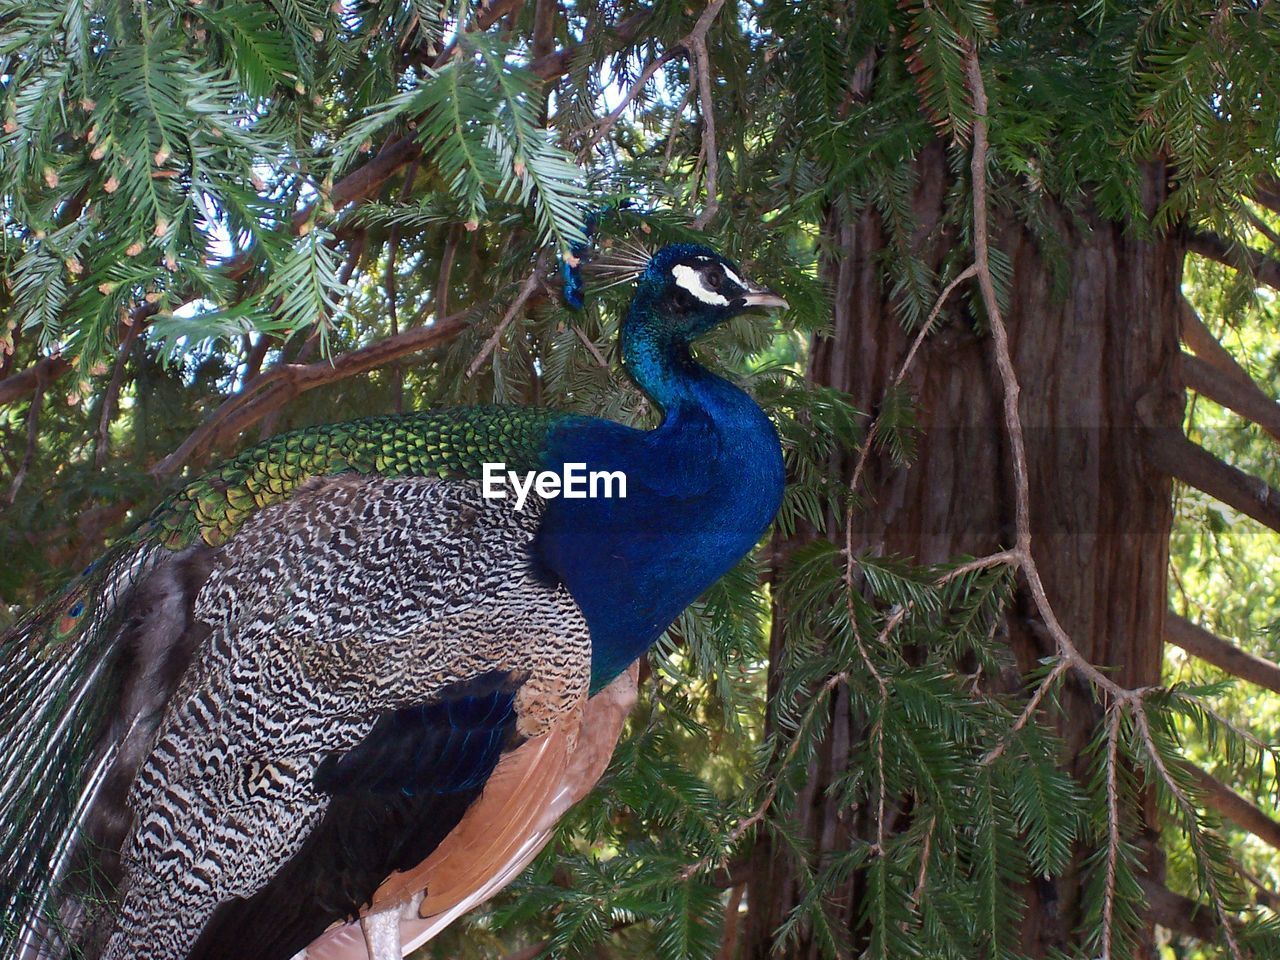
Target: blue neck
{"points": [[702, 487], [660, 364]]}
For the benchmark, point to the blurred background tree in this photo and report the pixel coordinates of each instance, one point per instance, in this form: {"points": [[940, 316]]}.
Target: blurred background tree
{"points": [[1002, 682]]}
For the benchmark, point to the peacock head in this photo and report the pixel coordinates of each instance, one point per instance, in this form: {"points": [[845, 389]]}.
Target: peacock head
{"points": [[686, 289]]}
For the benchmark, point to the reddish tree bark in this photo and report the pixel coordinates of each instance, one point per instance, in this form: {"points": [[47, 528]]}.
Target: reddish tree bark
{"points": [[1093, 321]]}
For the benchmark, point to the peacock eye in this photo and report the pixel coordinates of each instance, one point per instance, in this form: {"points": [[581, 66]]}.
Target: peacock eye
{"points": [[70, 621], [714, 278]]}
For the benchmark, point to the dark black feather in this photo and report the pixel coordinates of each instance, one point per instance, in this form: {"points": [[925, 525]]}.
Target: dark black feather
{"points": [[395, 796]]}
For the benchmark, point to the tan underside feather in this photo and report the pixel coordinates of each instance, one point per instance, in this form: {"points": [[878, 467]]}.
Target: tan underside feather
{"points": [[530, 789]]}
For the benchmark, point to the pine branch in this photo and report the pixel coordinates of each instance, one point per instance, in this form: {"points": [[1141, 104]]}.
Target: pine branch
{"points": [[1248, 401], [697, 44], [1205, 345], [1178, 913], [1194, 835], [1223, 654], [486, 16], [33, 435], [1192, 464], [527, 289], [19, 385], [277, 387], [1114, 844], [1009, 381], [556, 65], [364, 182], [603, 125], [113, 391], [747, 824], [1236, 808], [1262, 267], [591, 347], [1173, 452], [367, 180], [1033, 703], [864, 452], [1267, 193]]}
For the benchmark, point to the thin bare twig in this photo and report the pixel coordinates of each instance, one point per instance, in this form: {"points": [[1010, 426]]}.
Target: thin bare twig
{"points": [[669, 150], [980, 563], [1113, 828], [1193, 833], [743, 826], [922, 877], [33, 436], [603, 125], [530, 284], [591, 347], [696, 41], [1011, 389], [710, 152], [1033, 704], [850, 562], [440, 304], [103, 445], [389, 284], [926, 328]]}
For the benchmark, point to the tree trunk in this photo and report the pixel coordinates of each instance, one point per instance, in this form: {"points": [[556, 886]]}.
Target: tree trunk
{"points": [[1093, 321]]}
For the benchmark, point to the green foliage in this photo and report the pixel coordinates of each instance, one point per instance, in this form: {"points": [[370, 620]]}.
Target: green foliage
{"points": [[183, 160], [190, 137]]}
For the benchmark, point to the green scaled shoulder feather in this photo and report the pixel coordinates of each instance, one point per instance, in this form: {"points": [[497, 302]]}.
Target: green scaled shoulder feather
{"points": [[451, 443], [58, 674]]}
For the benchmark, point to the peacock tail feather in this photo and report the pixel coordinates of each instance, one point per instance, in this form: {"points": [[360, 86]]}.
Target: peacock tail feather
{"points": [[58, 672], [61, 664]]}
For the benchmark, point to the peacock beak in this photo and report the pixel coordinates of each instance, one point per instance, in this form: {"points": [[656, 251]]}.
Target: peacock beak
{"points": [[764, 298]]}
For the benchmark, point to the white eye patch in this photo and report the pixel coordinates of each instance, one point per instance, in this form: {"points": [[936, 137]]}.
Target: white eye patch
{"points": [[691, 280]]}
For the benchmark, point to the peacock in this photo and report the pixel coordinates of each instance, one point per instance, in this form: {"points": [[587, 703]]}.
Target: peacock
{"points": [[332, 679]]}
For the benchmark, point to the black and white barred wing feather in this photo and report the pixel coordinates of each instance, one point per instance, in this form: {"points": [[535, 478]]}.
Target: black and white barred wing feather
{"points": [[338, 681]]}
